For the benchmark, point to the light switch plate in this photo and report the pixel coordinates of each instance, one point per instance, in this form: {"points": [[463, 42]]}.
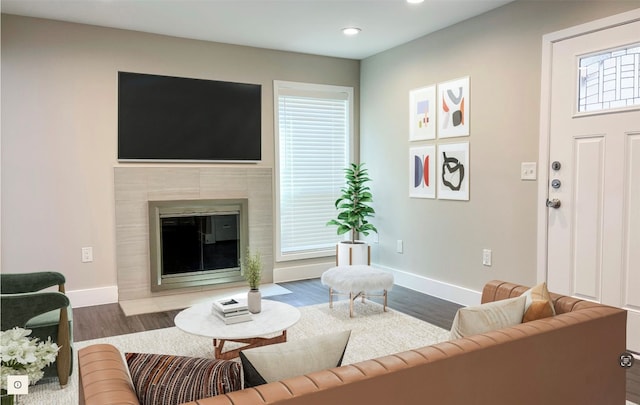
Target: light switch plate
{"points": [[486, 257], [87, 254]]}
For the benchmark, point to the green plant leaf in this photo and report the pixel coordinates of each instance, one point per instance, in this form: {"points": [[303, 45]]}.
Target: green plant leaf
{"points": [[252, 268], [352, 206], [343, 229]]}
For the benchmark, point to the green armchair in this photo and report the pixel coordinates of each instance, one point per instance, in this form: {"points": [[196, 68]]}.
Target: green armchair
{"points": [[46, 313]]}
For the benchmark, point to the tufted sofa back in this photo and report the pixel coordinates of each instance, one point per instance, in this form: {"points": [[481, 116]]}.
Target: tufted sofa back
{"points": [[571, 358]]}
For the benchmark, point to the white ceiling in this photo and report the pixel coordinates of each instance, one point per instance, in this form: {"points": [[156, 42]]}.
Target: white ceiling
{"points": [[308, 26]]}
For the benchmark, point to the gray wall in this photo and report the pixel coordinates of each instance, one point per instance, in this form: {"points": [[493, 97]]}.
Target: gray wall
{"points": [[501, 52], [59, 129], [59, 118]]}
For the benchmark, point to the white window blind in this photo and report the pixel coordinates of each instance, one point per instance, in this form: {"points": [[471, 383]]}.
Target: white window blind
{"points": [[314, 137]]}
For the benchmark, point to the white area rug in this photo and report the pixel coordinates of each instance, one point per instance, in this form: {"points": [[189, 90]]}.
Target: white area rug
{"points": [[374, 333]]}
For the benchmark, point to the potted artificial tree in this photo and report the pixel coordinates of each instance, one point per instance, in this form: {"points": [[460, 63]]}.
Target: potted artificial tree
{"points": [[253, 274], [352, 217]]}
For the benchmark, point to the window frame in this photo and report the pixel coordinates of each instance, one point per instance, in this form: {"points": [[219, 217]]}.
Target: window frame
{"points": [[309, 89]]}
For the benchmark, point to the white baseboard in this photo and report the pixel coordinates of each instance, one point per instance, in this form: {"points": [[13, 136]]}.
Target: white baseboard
{"points": [[93, 296], [425, 285], [435, 288], [303, 272]]}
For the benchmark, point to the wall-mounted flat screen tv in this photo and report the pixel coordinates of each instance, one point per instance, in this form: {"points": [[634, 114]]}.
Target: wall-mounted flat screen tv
{"points": [[163, 118]]}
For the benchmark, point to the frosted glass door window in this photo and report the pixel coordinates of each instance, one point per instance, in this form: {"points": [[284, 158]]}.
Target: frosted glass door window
{"points": [[609, 79]]}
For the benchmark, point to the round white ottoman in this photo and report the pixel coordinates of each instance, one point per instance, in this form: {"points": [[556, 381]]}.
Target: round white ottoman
{"points": [[356, 281]]}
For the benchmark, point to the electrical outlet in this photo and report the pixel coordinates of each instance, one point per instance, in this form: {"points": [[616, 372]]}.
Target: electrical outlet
{"points": [[486, 257], [87, 254], [528, 171], [399, 246]]}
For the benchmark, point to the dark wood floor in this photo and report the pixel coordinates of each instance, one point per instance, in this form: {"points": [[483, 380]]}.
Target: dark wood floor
{"points": [[109, 320]]}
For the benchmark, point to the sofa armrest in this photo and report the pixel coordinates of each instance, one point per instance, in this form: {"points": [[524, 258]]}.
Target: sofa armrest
{"points": [[104, 377], [496, 290], [18, 309]]}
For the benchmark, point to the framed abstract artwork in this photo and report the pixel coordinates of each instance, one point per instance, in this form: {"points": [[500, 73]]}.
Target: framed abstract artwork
{"points": [[422, 163], [422, 113], [453, 108], [453, 171]]}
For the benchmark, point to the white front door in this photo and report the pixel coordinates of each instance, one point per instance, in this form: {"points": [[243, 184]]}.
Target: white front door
{"points": [[593, 240]]}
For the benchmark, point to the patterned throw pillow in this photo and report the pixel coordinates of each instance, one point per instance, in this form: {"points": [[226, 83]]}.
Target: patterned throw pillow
{"points": [[271, 363], [169, 380]]}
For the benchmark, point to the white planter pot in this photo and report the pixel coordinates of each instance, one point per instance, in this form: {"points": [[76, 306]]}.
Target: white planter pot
{"points": [[353, 253], [254, 301]]}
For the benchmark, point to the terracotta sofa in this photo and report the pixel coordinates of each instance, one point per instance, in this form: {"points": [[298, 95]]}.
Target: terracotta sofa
{"points": [[571, 358]]}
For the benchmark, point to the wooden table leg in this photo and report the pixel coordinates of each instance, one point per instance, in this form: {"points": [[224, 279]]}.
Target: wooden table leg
{"points": [[218, 345]]}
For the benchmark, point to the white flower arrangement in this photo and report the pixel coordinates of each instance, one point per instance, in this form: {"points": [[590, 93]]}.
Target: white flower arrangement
{"points": [[22, 355]]}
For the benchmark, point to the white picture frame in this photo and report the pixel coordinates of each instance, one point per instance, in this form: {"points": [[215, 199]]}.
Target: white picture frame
{"points": [[422, 113], [422, 171], [453, 108], [453, 171]]}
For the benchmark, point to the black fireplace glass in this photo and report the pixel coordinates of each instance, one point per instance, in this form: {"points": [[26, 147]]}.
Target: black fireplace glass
{"points": [[199, 243]]}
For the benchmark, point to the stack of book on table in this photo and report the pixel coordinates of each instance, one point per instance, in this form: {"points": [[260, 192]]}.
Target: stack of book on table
{"points": [[231, 310]]}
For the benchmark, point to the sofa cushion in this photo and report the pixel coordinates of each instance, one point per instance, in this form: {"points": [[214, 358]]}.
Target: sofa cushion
{"points": [[487, 317], [51, 318], [168, 380], [538, 293], [271, 363]]}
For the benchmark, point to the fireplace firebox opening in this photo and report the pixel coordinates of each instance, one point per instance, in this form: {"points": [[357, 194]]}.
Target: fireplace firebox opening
{"points": [[196, 243]]}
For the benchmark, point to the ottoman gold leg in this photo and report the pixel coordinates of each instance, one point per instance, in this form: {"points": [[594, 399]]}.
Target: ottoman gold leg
{"points": [[385, 301], [330, 297], [351, 298]]}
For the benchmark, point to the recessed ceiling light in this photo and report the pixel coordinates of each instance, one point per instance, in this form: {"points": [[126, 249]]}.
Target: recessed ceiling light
{"points": [[415, 1], [351, 31]]}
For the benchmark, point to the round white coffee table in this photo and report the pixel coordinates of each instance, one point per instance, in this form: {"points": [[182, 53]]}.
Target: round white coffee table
{"points": [[275, 317]]}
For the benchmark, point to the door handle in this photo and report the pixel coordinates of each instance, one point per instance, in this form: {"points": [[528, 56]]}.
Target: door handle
{"points": [[555, 203]]}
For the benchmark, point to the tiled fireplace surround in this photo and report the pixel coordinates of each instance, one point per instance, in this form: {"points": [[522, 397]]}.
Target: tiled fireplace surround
{"points": [[136, 186]]}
